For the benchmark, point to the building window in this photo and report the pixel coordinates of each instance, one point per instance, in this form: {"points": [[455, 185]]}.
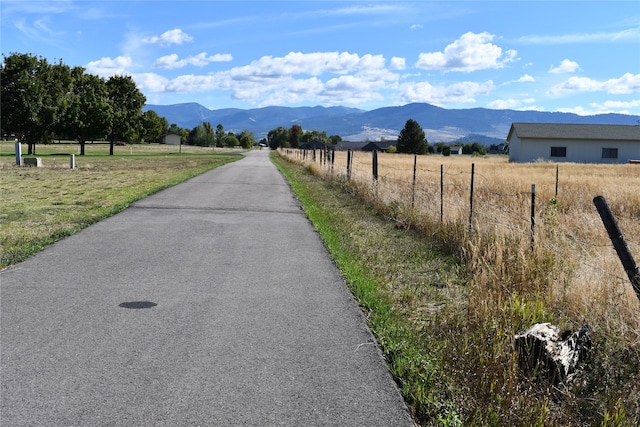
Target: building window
{"points": [[609, 153], [558, 151]]}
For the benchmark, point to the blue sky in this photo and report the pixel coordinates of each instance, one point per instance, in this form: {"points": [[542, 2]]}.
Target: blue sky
{"points": [[571, 56]]}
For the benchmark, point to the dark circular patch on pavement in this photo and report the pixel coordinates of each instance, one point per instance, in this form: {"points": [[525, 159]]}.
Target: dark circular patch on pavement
{"points": [[137, 304]]}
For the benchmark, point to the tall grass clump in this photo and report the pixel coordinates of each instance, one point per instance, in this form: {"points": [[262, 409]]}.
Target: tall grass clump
{"points": [[568, 274]]}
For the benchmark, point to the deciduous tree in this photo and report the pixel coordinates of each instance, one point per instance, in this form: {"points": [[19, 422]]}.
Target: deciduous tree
{"points": [[88, 115], [126, 104], [33, 97], [154, 126], [247, 140], [278, 137]]}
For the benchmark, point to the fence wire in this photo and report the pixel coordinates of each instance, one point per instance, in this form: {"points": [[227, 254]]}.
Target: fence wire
{"points": [[445, 194]]}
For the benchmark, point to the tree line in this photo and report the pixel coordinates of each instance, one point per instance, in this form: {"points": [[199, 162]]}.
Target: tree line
{"points": [[294, 136], [41, 100]]}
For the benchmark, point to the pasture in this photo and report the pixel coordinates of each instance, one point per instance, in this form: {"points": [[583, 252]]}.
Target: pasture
{"points": [[566, 223], [568, 275], [41, 205]]}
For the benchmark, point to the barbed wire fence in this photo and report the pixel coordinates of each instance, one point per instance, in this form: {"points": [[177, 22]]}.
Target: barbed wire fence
{"points": [[467, 197]]}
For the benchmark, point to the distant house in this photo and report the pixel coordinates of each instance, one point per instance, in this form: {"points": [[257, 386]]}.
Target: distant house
{"points": [[312, 145], [378, 146], [456, 149], [172, 139], [350, 145], [580, 143]]}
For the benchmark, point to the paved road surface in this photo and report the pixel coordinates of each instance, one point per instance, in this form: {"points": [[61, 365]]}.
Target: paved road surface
{"points": [[212, 303]]}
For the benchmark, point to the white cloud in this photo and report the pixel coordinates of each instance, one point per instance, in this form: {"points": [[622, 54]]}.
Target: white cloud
{"points": [[566, 66], [607, 107], [471, 52], [415, 27], [172, 62], [628, 83], [324, 77], [398, 63], [192, 83], [314, 64], [175, 36], [151, 82], [525, 79], [110, 66], [631, 35], [463, 92], [504, 104]]}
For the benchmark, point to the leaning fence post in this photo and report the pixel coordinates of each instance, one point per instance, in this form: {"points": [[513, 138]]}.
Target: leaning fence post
{"points": [[349, 164], [619, 243], [473, 167], [533, 215]]}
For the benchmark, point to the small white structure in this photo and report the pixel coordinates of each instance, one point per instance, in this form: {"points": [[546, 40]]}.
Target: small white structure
{"points": [[579, 143], [172, 139]]}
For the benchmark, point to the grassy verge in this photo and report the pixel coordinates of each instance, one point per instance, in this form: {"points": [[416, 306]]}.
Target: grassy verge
{"points": [[445, 307], [42, 205], [396, 274]]}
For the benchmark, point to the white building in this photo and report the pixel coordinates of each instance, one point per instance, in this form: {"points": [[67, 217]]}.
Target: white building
{"points": [[530, 142]]}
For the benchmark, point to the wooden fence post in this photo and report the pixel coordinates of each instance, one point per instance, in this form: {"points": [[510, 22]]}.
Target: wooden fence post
{"points": [[374, 155], [413, 188], [349, 154], [619, 243], [533, 215], [473, 167], [441, 193], [556, 197]]}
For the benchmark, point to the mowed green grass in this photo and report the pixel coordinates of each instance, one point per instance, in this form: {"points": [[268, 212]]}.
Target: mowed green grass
{"points": [[39, 206]]}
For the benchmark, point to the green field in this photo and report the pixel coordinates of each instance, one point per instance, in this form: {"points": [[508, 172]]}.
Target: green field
{"points": [[39, 206]]}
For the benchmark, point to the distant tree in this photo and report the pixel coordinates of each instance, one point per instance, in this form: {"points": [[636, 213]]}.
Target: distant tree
{"points": [[476, 147], [247, 140], [278, 137], [467, 148], [438, 147], [412, 139], [219, 135], [295, 135], [202, 135], [230, 140], [314, 135], [446, 151], [126, 103], [334, 139], [88, 115], [154, 126]]}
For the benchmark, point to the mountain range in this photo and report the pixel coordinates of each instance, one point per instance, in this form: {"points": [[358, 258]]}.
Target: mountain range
{"points": [[440, 125]]}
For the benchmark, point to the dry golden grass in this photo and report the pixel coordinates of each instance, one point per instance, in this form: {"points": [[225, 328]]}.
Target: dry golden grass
{"points": [[587, 283]]}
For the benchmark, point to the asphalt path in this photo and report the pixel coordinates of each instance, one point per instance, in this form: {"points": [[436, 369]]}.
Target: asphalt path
{"points": [[212, 303]]}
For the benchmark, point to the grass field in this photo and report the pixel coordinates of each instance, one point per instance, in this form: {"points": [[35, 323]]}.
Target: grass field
{"points": [[41, 205], [571, 276]]}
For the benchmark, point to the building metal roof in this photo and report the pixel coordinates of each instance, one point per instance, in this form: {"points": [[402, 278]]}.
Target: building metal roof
{"points": [[583, 132]]}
